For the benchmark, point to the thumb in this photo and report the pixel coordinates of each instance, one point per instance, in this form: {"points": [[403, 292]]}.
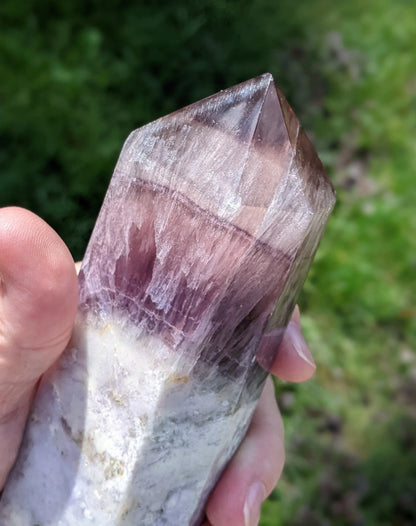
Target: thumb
{"points": [[38, 300]]}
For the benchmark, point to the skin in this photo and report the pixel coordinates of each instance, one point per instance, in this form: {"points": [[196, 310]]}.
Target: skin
{"points": [[38, 301]]}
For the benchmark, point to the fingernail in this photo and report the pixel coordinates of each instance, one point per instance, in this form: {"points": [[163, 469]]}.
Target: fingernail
{"points": [[254, 499], [296, 315], [299, 343]]}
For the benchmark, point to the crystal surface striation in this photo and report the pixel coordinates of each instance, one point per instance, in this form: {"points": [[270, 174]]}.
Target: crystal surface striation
{"points": [[204, 239]]}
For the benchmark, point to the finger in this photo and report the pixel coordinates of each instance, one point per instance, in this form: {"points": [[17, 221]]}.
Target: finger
{"points": [[253, 471], [294, 361], [38, 299]]}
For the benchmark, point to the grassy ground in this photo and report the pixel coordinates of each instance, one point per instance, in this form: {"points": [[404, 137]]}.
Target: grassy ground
{"points": [[352, 431], [77, 76]]}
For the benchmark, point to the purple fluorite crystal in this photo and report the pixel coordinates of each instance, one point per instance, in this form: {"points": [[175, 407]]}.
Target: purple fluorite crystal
{"points": [[207, 231]]}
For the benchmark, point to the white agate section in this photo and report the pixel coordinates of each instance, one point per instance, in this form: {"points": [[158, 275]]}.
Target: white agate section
{"points": [[121, 434]]}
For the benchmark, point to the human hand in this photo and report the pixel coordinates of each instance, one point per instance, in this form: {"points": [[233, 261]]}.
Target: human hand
{"points": [[256, 467], [38, 302]]}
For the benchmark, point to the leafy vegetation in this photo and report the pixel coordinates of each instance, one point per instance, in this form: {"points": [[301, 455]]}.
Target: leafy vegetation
{"points": [[77, 76]]}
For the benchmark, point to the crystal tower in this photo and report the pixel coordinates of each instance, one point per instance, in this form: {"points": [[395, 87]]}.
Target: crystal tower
{"points": [[204, 239]]}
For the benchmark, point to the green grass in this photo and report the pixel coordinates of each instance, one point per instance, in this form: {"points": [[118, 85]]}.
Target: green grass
{"points": [[76, 77], [351, 431]]}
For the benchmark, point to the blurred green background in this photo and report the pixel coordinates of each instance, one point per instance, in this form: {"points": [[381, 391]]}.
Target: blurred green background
{"points": [[77, 76]]}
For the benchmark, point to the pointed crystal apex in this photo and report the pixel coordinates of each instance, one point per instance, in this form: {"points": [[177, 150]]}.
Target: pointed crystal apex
{"points": [[200, 151]]}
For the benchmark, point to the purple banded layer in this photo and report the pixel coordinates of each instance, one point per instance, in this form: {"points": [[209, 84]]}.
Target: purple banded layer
{"points": [[209, 226]]}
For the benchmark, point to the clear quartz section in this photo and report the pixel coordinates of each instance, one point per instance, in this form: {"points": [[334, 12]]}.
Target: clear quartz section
{"points": [[205, 237]]}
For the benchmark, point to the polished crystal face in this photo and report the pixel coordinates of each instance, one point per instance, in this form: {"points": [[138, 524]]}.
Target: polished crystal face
{"points": [[206, 234], [212, 218]]}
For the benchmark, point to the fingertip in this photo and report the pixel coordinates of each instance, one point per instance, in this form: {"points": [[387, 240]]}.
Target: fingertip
{"points": [[294, 361], [39, 290]]}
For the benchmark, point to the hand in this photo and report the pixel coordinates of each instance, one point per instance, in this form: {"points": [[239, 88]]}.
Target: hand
{"points": [[258, 463], [38, 302]]}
